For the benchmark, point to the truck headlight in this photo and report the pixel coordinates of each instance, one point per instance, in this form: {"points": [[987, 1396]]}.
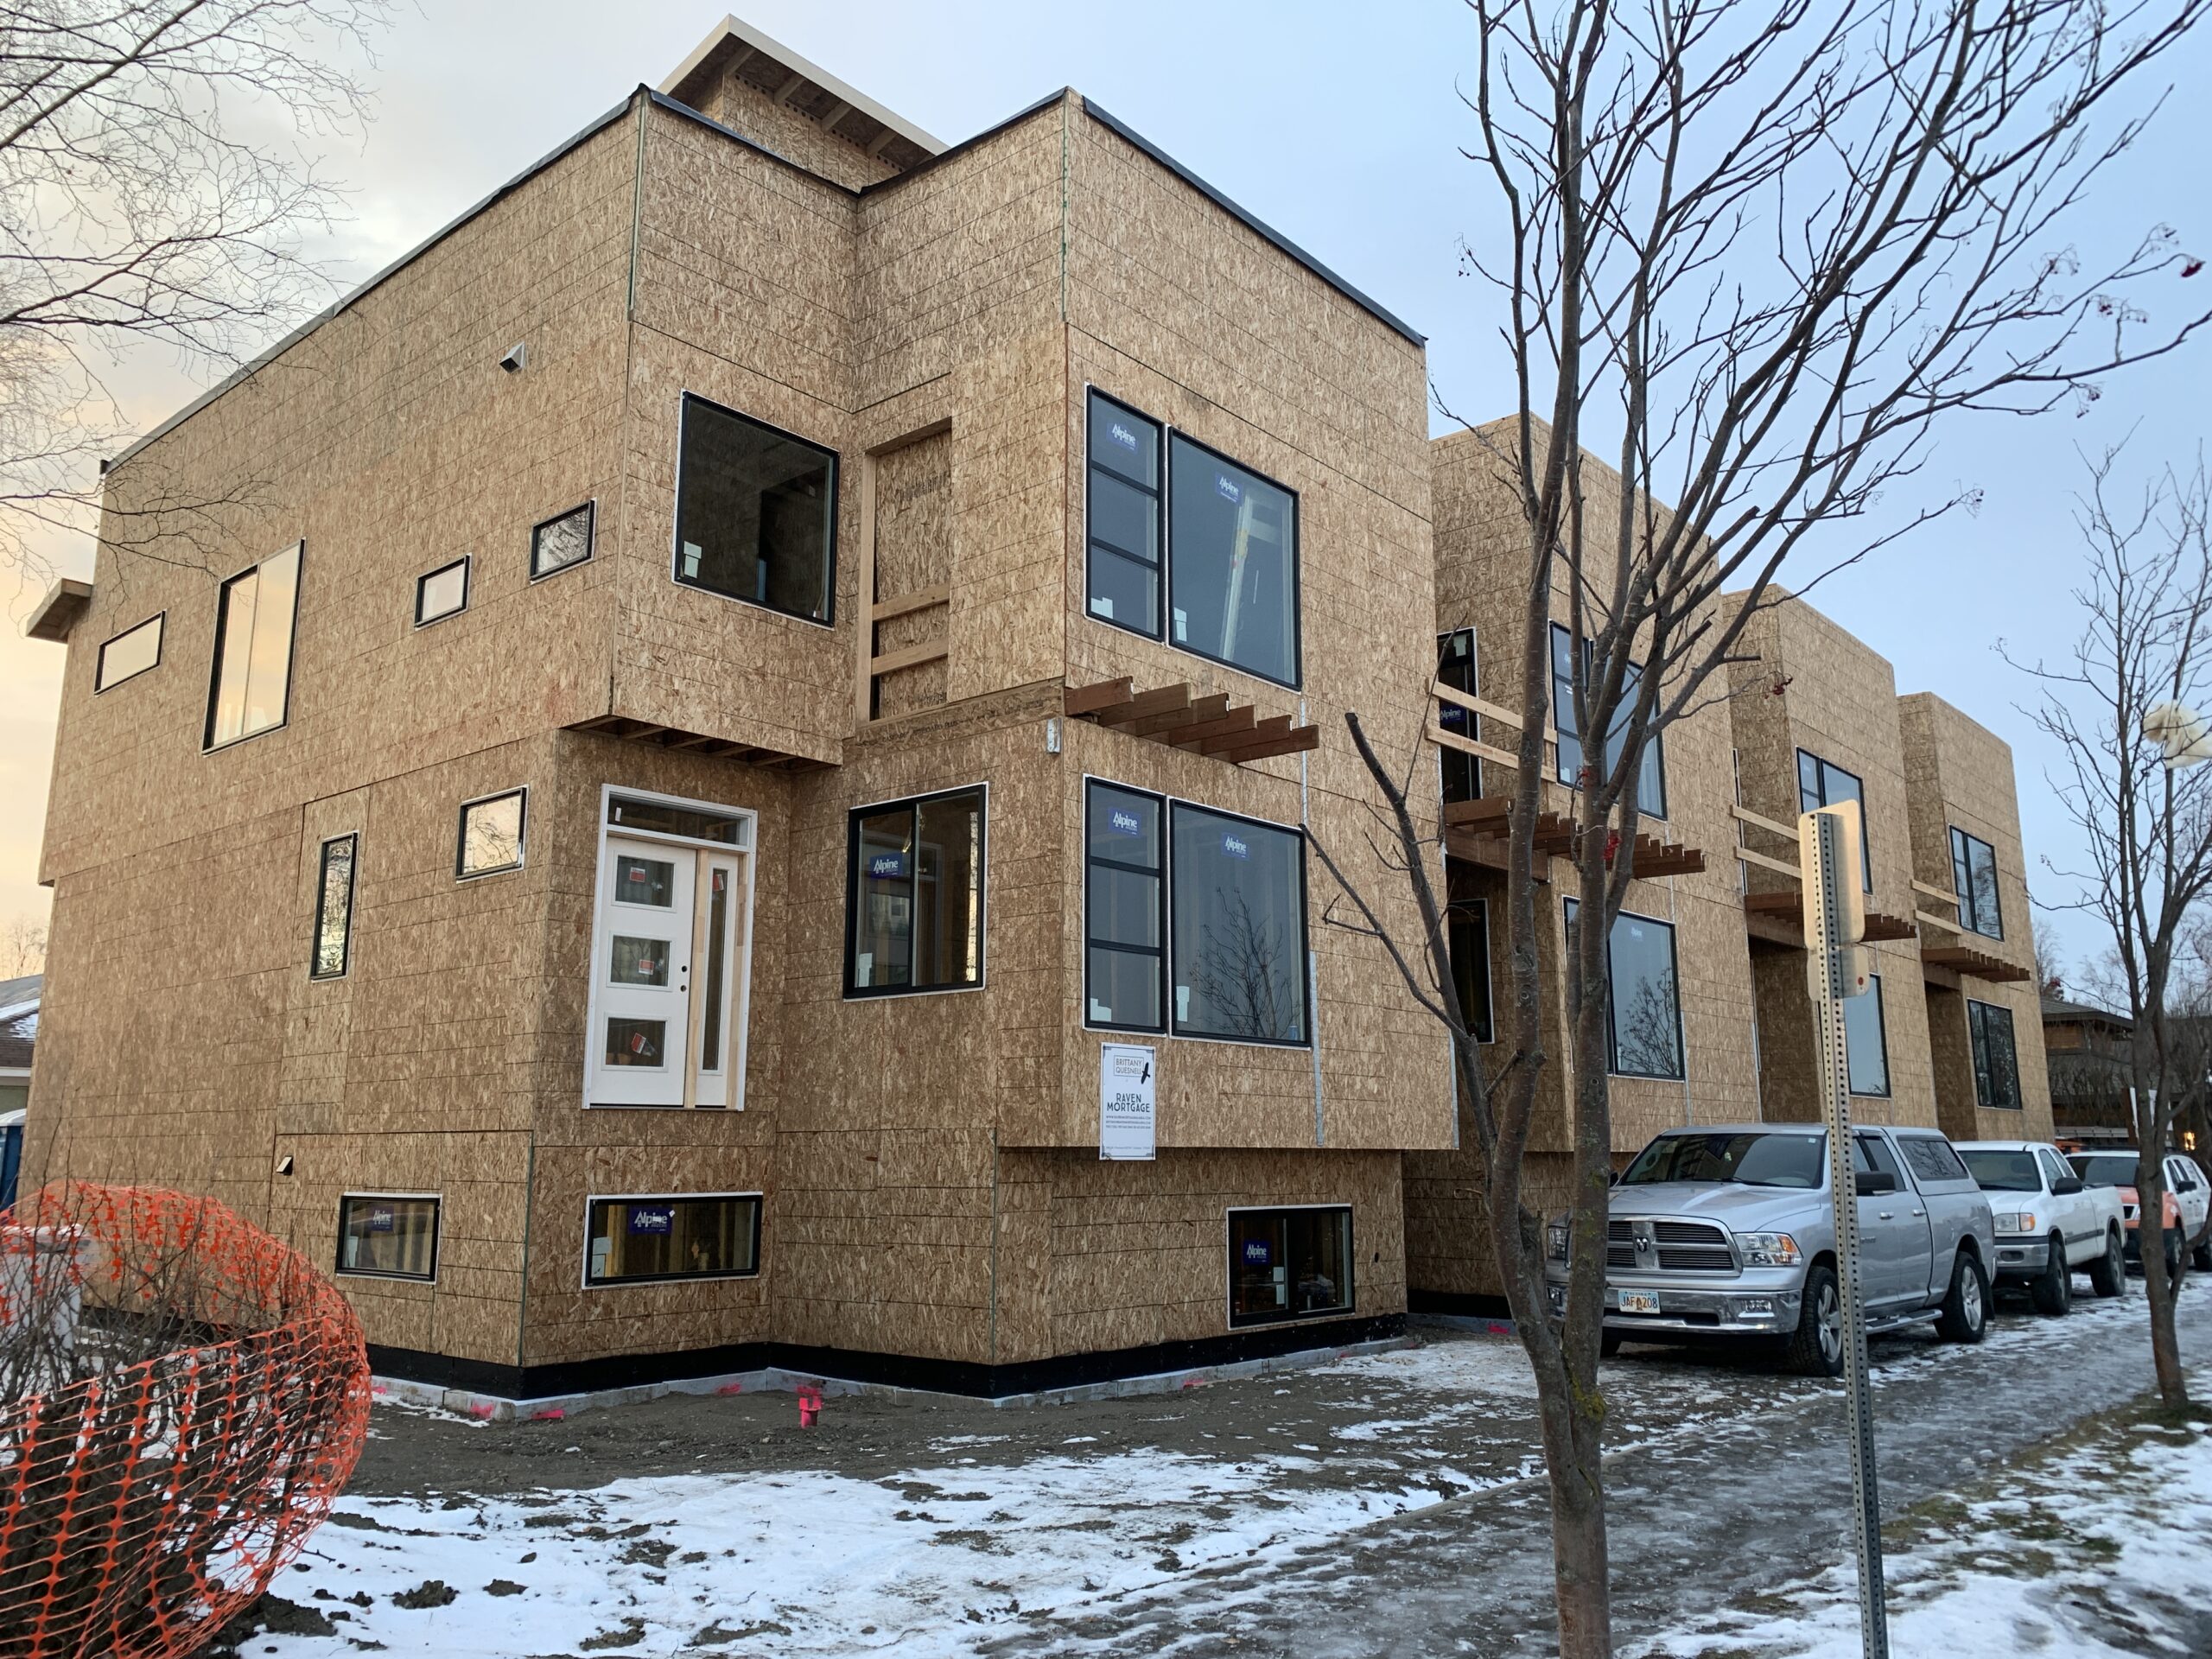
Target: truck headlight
{"points": [[1768, 1249], [2021, 1221], [1555, 1241]]}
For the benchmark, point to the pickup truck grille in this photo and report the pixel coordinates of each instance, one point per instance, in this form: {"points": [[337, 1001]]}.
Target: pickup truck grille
{"points": [[1683, 1246]]}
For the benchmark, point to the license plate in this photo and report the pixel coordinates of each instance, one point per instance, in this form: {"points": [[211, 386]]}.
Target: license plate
{"points": [[1639, 1302]]}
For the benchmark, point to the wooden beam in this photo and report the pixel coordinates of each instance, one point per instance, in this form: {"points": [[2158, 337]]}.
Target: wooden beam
{"points": [[1490, 809], [1925, 920], [1880, 927], [1468, 745], [885, 609], [1775, 904], [1746, 855], [1146, 704], [1759, 821], [1296, 741], [1088, 699], [913, 656], [1264, 731], [1236, 720], [1929, 890], [1212, 708], [1487, 709]]}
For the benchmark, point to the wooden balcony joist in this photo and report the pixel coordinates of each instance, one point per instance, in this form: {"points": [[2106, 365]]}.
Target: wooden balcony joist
{"points": [[1789, 907], [1489, 819], [718, 748], [1207, 725], [1965, 959]]}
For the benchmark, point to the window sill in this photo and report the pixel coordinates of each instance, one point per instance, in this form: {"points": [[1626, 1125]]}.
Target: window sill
{"points": [[829, 623], [244, 737]]}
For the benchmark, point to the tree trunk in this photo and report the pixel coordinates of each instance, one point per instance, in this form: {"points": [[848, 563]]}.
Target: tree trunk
{"points": [[1574, 1455], [2158, 1289]]}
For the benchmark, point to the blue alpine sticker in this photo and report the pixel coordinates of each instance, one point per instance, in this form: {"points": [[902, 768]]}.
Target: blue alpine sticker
{"points": [[652, 1218], [1258, 1252], [1123, 436], [1236, 845], [890, 866], [1226, 486], [381, 1219], [1122, 822]]}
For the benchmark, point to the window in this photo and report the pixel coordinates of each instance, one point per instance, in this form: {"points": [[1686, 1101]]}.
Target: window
{"points": [[1865, 1043], [2053, 1170], [1996, 1071], [388, 1237], [442, 592], [640, 1241], [1974, 877], [2002, 1172], [1455, 667], [560, 542], [1238, 899], [334, 909], [253, 649], [1932, 1158], [1289, 1264], [1125, 910], [1821, 785], [1122, 512], [1232, 570], [1747, 1157], [659, 818], [1651, 775], [915, 895], [132, 651], [1874, 1153], [1643, 1017], [756, 512], [1467, 941], [491, 834]]}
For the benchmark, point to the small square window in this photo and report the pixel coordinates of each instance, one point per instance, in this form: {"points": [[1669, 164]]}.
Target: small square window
{"points": [[1289, 1264], [491, 834], [560, 542], [388, 1237], [646, 1240], [334, 909], [130, 652], [442, 592]]}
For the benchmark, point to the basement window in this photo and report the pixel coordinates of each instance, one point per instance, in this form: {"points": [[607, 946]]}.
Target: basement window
{"points": [[130, 652], [1644, 1014], [251, 683], [442, 592], [1974, 877], [1289, 1264], [559, 544], [388, 1235], [334, 909], [636, 1240], [1996, 1066], [491, 834], [914, 895], [755, 512]]}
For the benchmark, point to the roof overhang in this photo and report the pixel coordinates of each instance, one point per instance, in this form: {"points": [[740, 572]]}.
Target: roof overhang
{"points": [[65, 603], [776, 71]]}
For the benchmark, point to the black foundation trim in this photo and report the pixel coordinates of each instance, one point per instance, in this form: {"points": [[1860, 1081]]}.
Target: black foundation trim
{"points": [[1460, 1303], [894, 1370]]}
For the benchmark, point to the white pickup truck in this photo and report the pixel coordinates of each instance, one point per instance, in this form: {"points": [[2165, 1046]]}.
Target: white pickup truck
{"points": [[2049, 1223]]}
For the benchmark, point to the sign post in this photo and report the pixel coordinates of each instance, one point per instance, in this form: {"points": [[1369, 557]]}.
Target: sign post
{"points": [[1829, 843], [1128, 1086]]}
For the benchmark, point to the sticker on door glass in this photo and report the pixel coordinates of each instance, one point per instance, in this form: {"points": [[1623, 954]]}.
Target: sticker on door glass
{"points": [[643, 881], [640, 962], [635, 1042]]}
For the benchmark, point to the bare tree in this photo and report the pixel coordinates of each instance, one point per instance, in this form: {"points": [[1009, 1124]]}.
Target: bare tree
{"points": [[1757, 248], [153, 191], [22, 948], [2146, 826]]}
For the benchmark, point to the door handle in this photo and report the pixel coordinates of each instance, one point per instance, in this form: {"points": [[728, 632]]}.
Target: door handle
{"points": [[1919, 1212], [1885, 1214]]}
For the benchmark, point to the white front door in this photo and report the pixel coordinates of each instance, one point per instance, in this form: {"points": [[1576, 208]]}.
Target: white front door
{"points": [[642, 948]]}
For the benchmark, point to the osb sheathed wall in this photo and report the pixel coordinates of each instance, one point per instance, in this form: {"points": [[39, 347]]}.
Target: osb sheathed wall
{"points": [[1959, 773], [1815, 688], [1482, 560]]}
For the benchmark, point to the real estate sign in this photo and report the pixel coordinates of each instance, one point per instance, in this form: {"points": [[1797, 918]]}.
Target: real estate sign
{"points": [[1127, 1075]]}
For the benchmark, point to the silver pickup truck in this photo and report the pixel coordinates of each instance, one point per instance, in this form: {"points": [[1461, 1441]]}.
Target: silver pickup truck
{"points": [[1726, 1233]]}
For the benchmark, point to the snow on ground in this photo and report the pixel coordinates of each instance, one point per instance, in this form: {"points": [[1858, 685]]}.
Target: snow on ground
{"points": [[2053, 1557]]}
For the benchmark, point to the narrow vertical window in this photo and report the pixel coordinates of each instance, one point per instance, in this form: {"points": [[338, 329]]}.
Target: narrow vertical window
{"points": [[1123, 516], [1820, 784], [915, 890], [1467, 938], [756, 512], [1651, 769], [334, 909], [252, 681], [1233, 562], [1125, 910], [1644, 1013], [1996, 1066], [1974, 877], [1455, 667], [1866, 1041]]}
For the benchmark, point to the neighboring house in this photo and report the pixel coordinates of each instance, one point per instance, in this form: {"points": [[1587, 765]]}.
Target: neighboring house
{"points": [[2091, 1091], [763, 662], [19, 1000]]}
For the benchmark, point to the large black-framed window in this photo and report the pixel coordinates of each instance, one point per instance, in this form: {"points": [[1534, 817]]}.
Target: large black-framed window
{"points": [[914, 894], [1996, 1063], [1194, 920], [654, 1238], [334, 908], [1125, 516], [1237, 904], [1125, 909], [250, 688], [1455, 667], [1644, 1013], [1974, 877], [1189, 545], [756, 512], [1822, 783], [388, 1235], [1467, 942], [1651, 770], [1866, 1041], [1293, 1263]]}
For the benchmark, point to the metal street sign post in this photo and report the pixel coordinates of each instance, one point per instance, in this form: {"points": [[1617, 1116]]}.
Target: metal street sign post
{"points": [[1828, 842]]}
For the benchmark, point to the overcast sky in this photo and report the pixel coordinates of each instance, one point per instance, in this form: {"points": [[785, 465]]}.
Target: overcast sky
{"points": [[1343, 134]]}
